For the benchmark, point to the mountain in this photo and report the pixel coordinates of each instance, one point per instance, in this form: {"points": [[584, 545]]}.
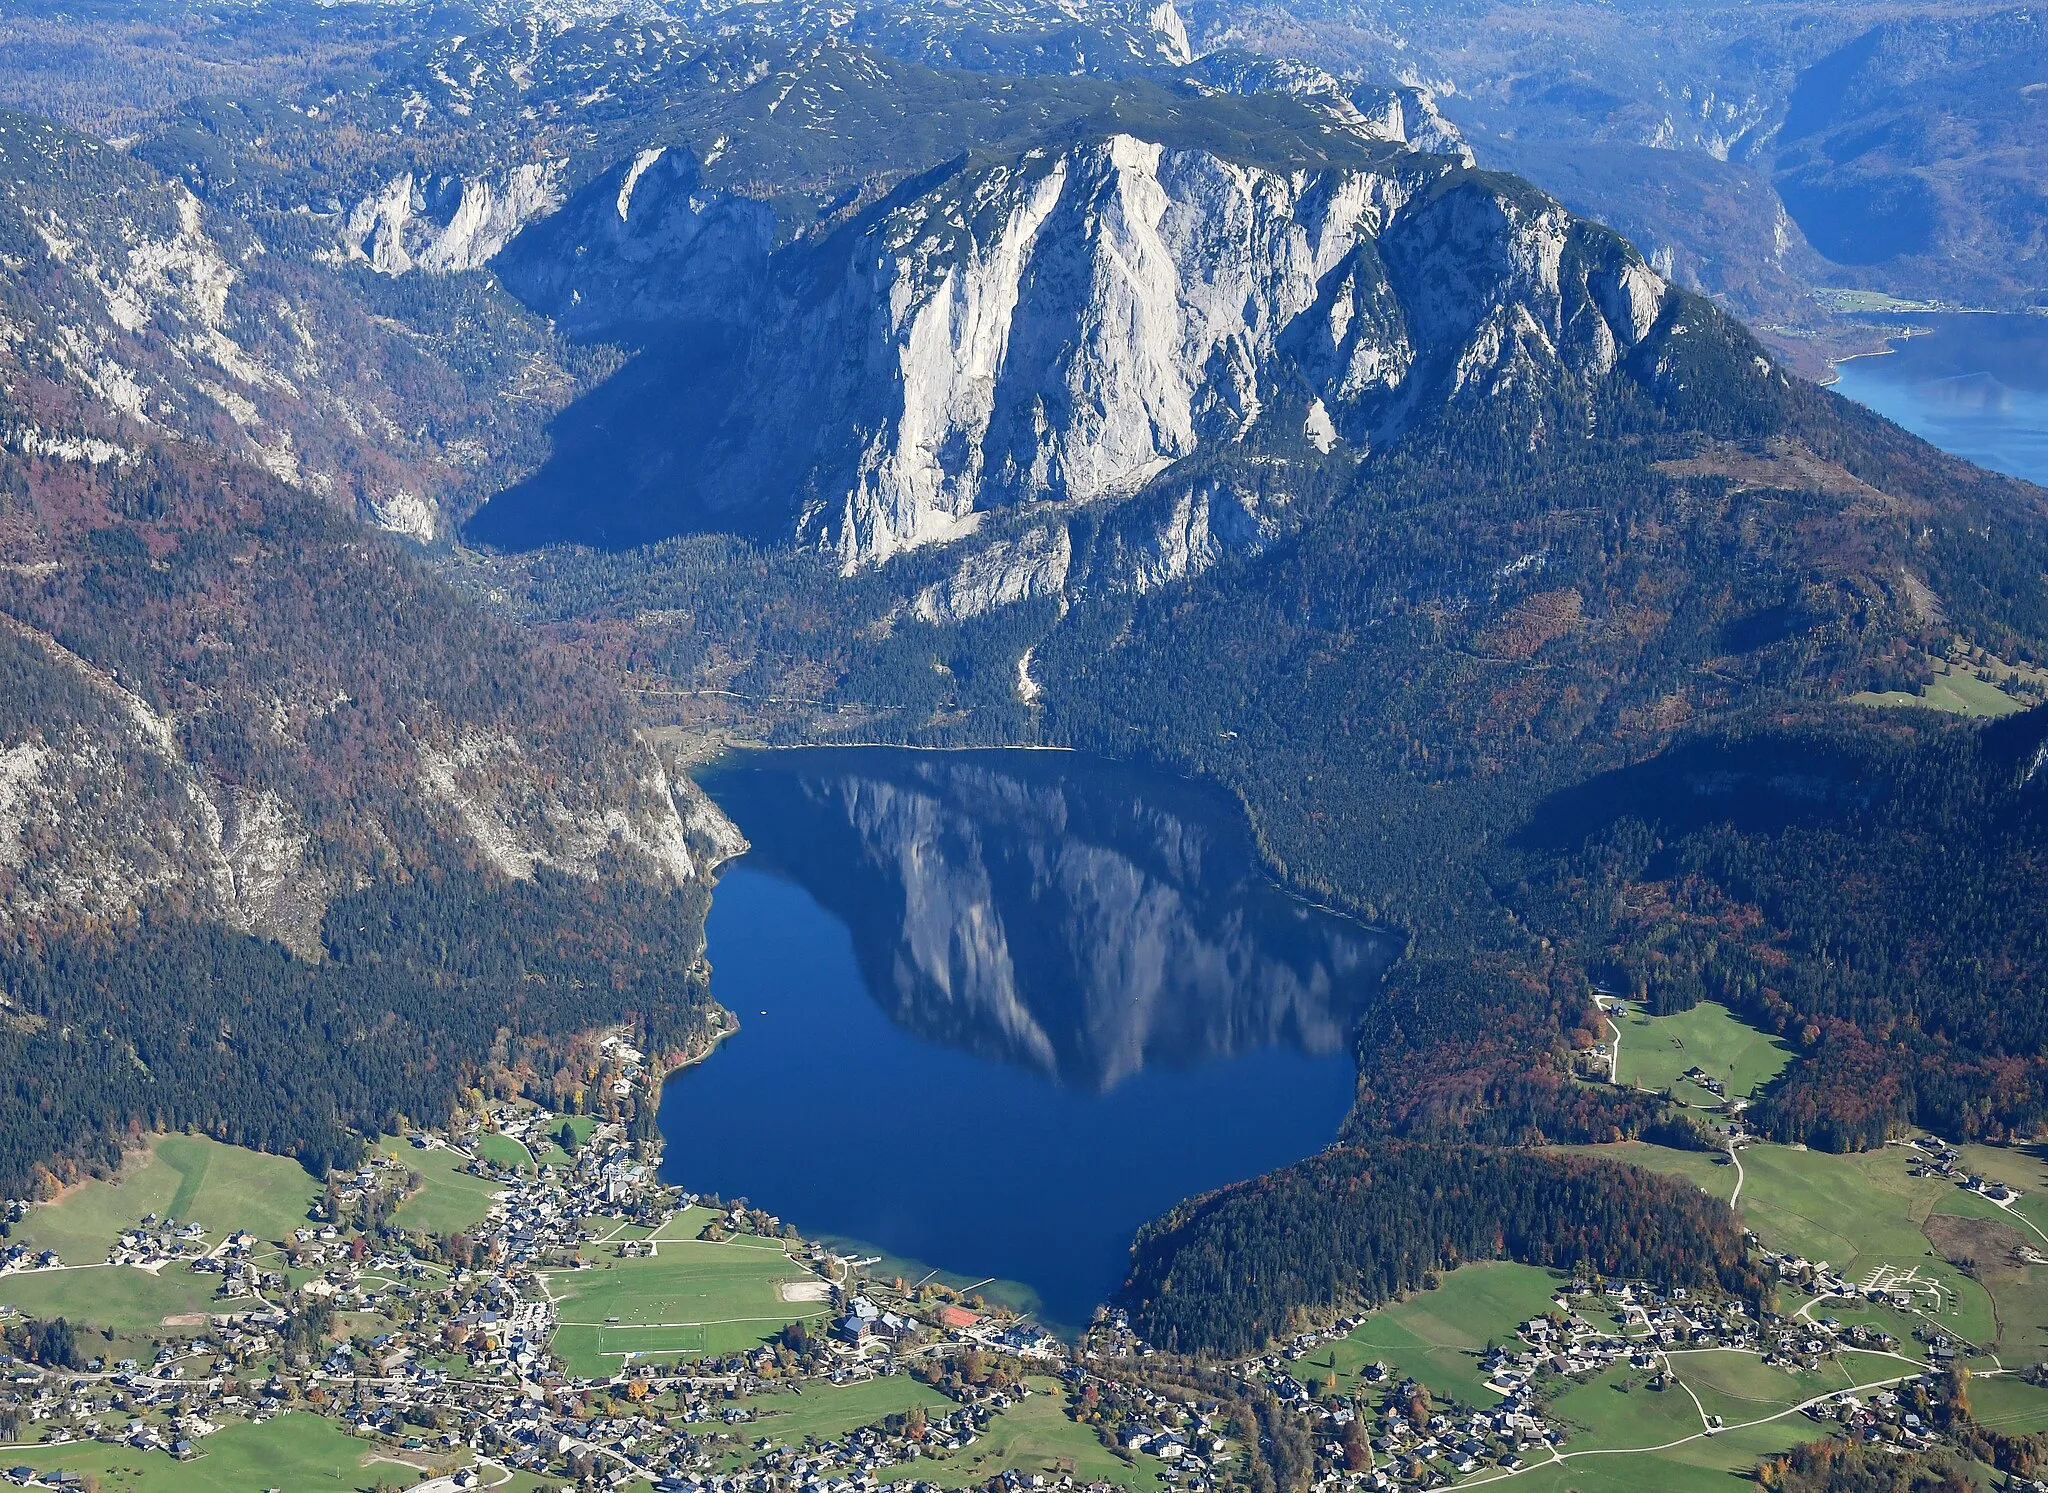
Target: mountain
{"points": [[1914, 153], [1173, 384], [1066, 327], [249, 746], [1383, 491]]}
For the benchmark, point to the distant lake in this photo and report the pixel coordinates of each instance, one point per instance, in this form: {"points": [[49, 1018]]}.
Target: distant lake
{"points": [[1976, 386], [998, 1009]]}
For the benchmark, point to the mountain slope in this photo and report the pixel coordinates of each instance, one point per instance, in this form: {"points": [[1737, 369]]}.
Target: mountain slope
{"points": [[289, 833]]}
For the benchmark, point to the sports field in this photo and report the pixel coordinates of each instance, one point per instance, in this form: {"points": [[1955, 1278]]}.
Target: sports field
{"points": [[689, 1299], [1655, 1050]]}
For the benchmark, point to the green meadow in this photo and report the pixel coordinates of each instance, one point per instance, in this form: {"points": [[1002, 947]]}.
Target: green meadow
{"points": [[191, 1178], [1438, 1337], [1038, 1436], [1955, 692], [1655, 1050], [449, 1199], [827, 1411], [295, 1453]]}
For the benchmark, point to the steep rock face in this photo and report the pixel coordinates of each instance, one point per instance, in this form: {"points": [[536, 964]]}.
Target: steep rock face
{"points": [[645, 245], [221, 700], [171, 316], [1069, 327], [448, 224]]}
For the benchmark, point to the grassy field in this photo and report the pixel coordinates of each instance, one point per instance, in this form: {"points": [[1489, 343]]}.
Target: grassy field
{"points": [[546, 1151], [1037, 1436], [825, 1412], [2009, 1404], [502, 1150], [450, 1200], [691, 1298], [1617, 1412], [1956, 690], [2022, 1167], [1710, 1464], [1655, 1050], [118, 1298], [1438, 1336], [187, 1177], [1857, 1212], [296, 1453]]}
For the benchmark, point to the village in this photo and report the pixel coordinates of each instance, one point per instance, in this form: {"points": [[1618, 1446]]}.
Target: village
{"points": [[544, 1341]]}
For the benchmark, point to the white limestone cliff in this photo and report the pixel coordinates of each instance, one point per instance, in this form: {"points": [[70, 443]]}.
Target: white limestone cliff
{"points": [[1068, 328], [447, 225]]}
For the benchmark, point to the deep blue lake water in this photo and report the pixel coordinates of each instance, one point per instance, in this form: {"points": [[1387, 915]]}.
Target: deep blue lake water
{"points": [[999, 1009], [1976, 386]]}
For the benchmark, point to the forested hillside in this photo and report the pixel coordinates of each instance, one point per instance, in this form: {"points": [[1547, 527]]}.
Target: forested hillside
{"points": [[291, 836], [1353, 1228]]}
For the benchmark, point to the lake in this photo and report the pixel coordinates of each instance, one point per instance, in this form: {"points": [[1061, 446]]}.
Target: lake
{"points": [[998, 1009], [1976, 386]]}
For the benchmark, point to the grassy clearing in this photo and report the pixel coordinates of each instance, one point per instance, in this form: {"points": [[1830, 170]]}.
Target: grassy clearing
{"points": [[2024, 1167], [1438, 1336], [1037, 1436], [685, 1223], [1967, 684], [1710, 1464], [293, 1452], [116, 1298], [502, 1150], [692, 1298], [2007, 1403], [1655, 1050], [188, 1177], [450, 1200], [828, 1411], [1615, 1410]]}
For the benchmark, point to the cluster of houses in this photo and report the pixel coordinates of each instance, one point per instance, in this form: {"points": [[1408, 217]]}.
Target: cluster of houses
{"points": [[466, 1362]]}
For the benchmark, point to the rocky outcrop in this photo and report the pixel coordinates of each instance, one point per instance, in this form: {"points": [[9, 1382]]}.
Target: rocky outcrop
{"points": [[451, 223], [1400, 113], [644, 246]]}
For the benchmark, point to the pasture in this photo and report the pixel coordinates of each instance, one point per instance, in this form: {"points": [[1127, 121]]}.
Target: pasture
{"points": [[1656, 1050], [297, 1453], [1438, 1336], [1859, 1212], [1037, 1437], [825, 1412], [191, 1178], [450, 1200]]}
